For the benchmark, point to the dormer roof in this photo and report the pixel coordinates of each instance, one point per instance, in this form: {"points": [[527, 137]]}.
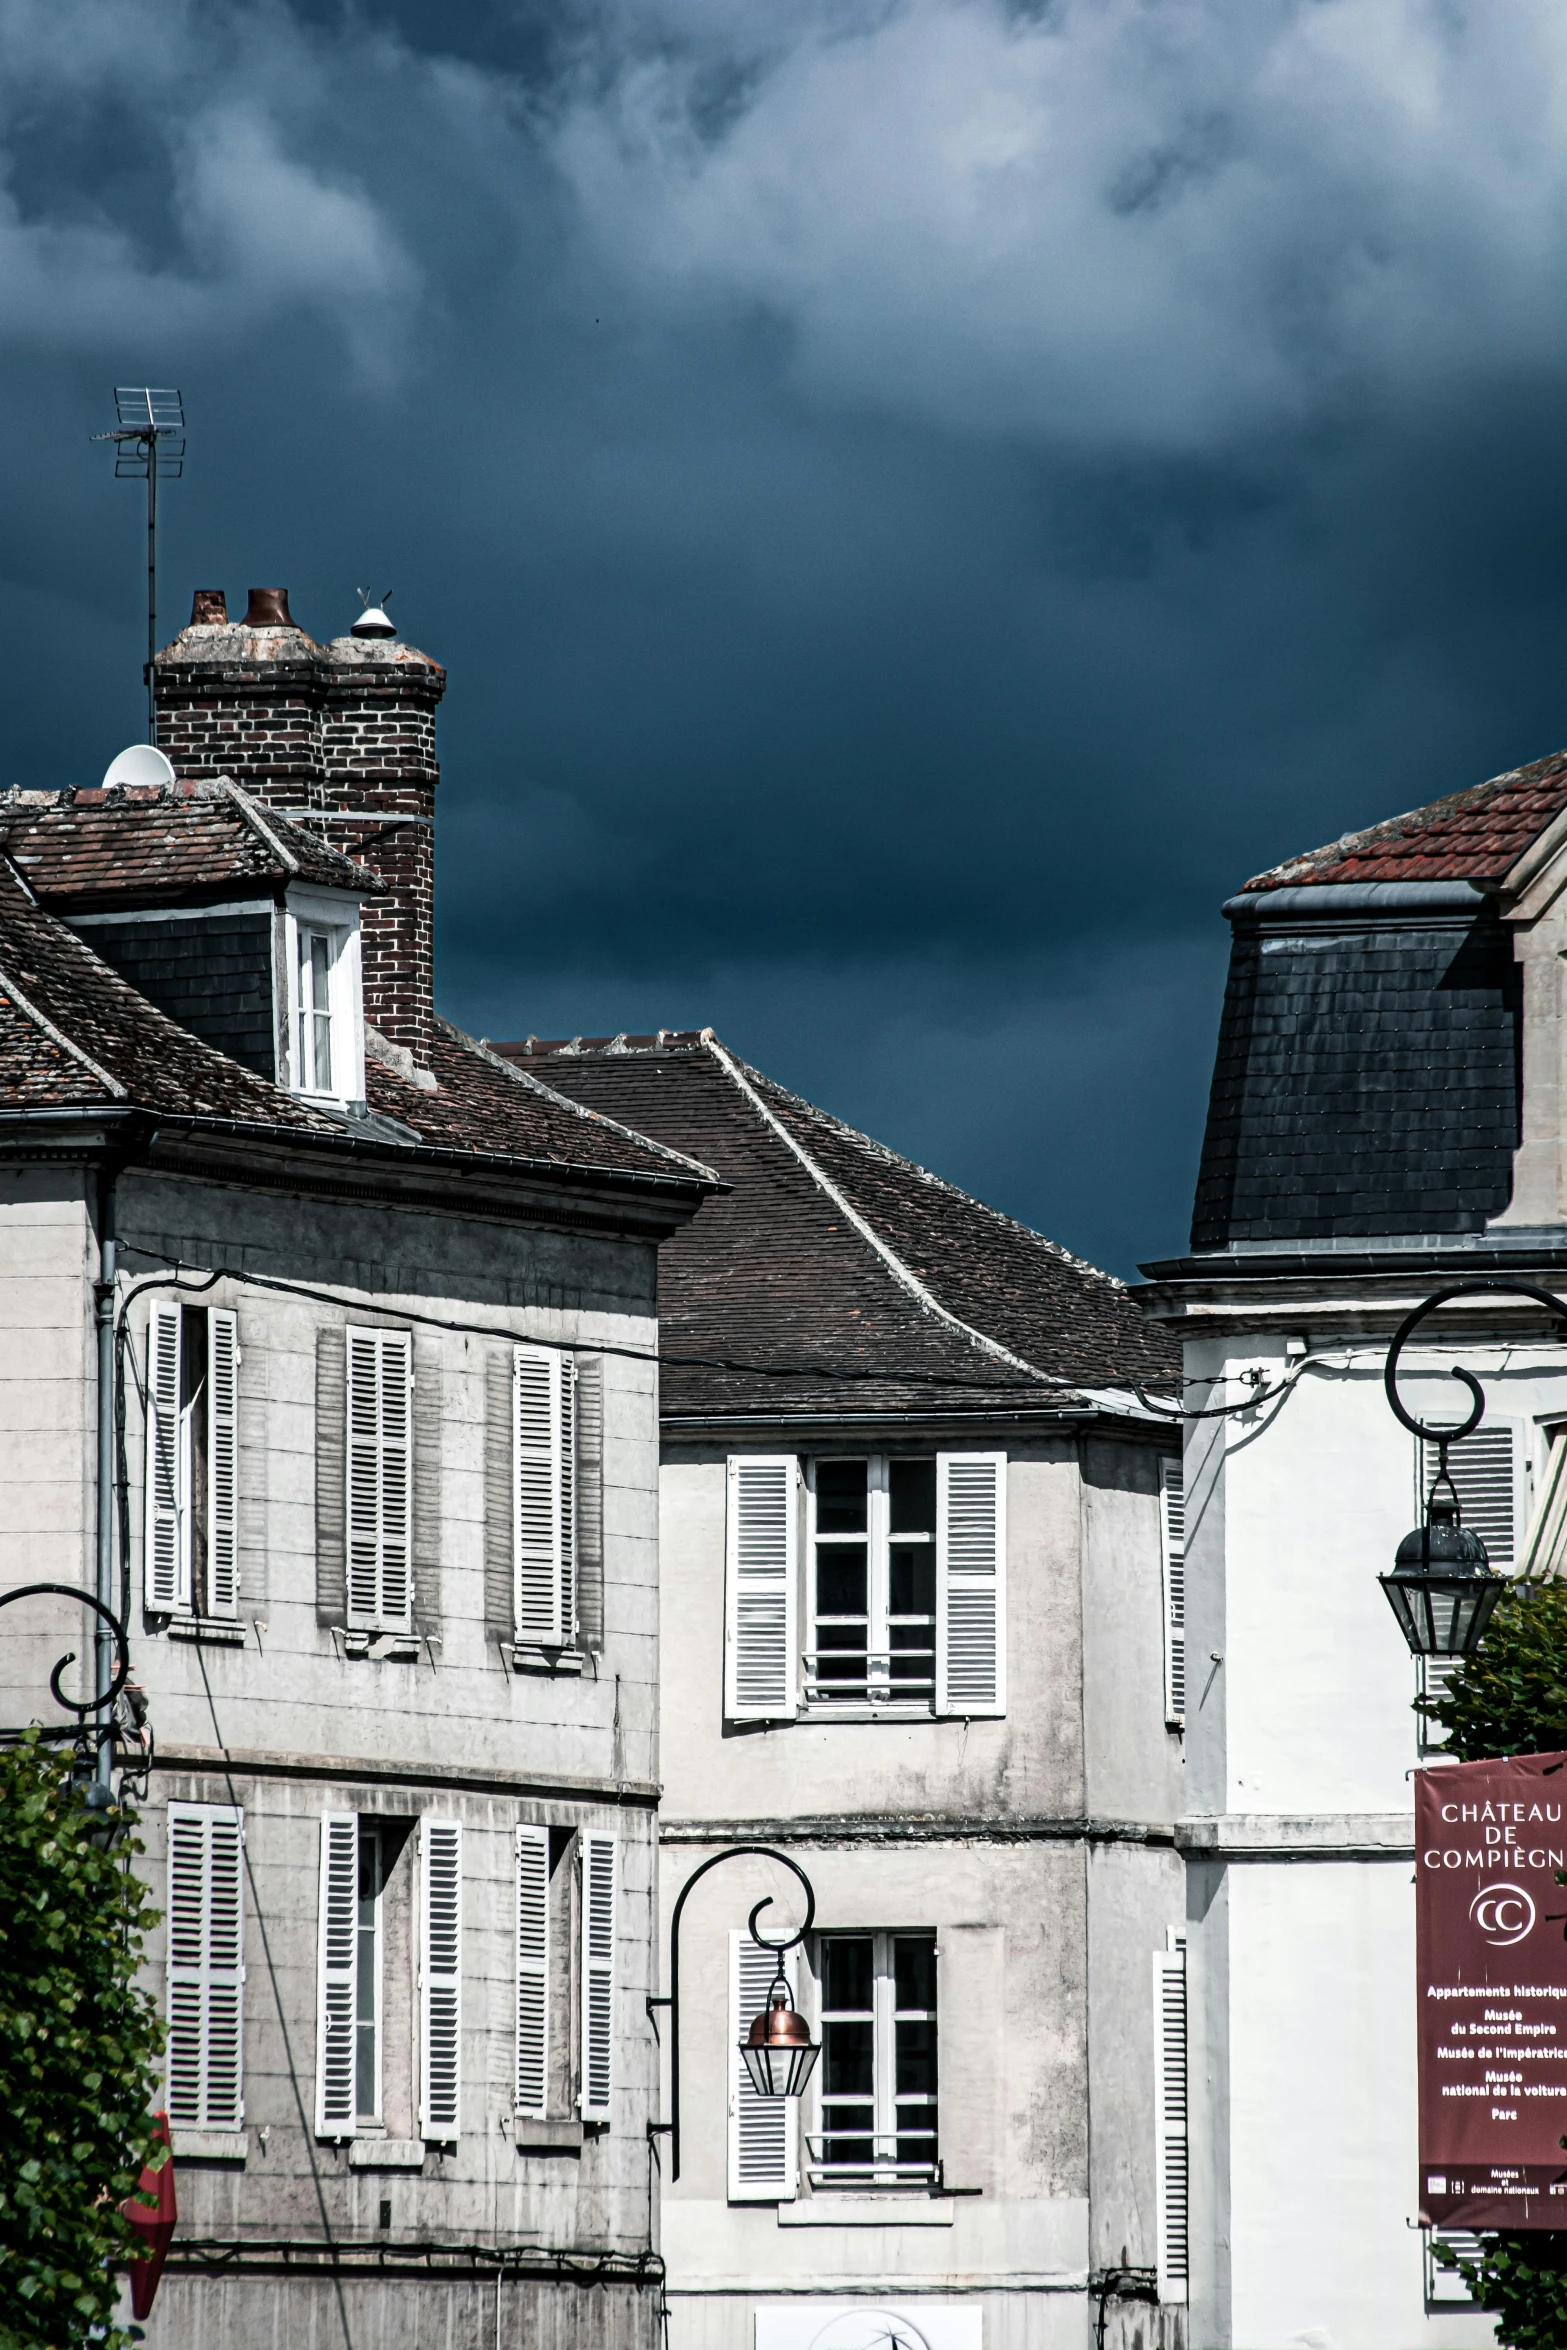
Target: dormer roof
{"points": [[149, 845], [1477, 835]]}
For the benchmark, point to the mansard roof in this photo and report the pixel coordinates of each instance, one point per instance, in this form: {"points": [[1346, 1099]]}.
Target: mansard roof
{"points": [[1474, 835], [161, 844], [836, 1277]]}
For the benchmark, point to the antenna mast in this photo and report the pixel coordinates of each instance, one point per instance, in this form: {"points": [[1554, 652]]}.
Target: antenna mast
{"points": [[149, 439]]}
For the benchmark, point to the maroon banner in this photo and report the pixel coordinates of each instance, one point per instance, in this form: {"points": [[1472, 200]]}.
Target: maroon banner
{"points": [[1491, 1966]]}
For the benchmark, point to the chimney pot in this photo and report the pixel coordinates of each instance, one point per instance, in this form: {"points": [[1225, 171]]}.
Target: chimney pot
{"points": [[209, 608], [268, 608]]}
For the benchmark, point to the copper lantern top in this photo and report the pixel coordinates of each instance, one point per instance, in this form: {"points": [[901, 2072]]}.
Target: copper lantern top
{"points": [[778, 2050]]}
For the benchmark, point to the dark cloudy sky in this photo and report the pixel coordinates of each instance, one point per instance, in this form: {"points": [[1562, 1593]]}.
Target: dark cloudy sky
{"points": [[918, 498]]}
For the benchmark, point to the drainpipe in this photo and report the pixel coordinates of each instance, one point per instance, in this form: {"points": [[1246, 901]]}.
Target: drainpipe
{"points": [[103, 1296]]}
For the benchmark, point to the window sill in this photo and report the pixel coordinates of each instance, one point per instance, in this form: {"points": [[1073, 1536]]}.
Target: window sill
{"points": [[210, 2145], [547, 2137], [528, 1657], [893, 2210], [210, 1631], [820, 1710], [386, 2154]]}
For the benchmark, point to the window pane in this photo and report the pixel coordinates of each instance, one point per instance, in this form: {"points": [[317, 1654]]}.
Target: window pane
{"points": [[840, 1579], [840, 1497], [914, 2059], [911, 1582], [914, 1971], [848, 2069], [847, 1973], [913, 1496]]}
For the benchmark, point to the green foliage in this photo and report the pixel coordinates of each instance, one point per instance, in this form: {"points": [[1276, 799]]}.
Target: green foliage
{"points": [[1510, 1697], [77, 2044]]}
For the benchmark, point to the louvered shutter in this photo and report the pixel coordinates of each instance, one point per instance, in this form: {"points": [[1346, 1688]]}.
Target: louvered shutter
{"points": [[167, 1571], [761, 1588], [1172, 1534], [380, 1376], [764, 2132], [440, 1980], [337, 1921], [222, 1463], [1484, 1470], [533, 1971], [598, 1975], [544, 1495], [1171, 2162], [971, 1539], [206, 1966]]}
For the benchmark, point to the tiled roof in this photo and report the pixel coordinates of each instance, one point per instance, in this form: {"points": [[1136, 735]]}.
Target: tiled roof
{"points": [[854, 1280], [158, 845], [1473, 835]]}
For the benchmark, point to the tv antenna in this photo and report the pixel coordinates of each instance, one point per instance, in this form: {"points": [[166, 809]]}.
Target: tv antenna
{"points": [[149, 440]]}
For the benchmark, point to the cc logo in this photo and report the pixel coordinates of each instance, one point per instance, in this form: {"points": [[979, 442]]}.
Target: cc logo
{"points": [[1503, 1913]]}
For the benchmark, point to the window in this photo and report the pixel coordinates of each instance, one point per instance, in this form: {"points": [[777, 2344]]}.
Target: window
{"points": [[191, 1565], [318, 951], [380, 1480], [206, 1986], [363, 2053], [873, 1582], [325, 1027], [368, 1938], [878, 2063]]}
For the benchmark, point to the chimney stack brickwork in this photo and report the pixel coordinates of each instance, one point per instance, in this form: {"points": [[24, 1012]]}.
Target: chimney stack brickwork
{"points": [[347, 728]]}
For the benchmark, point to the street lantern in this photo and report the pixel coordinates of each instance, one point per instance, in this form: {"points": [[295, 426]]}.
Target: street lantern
{"points": [[779, 2053], [1442, 1588]]}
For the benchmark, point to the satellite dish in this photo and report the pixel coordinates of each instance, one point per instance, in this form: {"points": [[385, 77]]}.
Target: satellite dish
{"points": [[141, 763]]}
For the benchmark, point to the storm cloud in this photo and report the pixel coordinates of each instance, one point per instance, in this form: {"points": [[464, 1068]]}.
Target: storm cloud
{"points": [[917, 500]]}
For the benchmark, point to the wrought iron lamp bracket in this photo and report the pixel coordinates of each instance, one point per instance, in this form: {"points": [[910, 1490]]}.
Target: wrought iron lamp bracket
{"points": [[95, 1705], [1444, 1436]]}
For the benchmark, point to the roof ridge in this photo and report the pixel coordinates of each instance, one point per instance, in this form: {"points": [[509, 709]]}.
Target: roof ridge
{"points": [[250, 812], [740, 1075], [41, 1019], [525, 1077]]}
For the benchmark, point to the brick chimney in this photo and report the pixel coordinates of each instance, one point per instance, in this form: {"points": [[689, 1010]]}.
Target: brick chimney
{"points": [[345, 730]]}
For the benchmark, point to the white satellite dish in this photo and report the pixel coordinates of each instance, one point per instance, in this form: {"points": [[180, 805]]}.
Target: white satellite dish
{"points": [[140, 763]]}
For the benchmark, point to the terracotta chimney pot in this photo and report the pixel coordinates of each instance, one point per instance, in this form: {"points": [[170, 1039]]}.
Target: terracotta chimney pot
{"points": [[268, 608], [209, 608]]}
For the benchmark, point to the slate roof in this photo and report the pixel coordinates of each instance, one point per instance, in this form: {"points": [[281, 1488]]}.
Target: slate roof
{"points": [[835, 1276], [1473, 835], [162, 845]]}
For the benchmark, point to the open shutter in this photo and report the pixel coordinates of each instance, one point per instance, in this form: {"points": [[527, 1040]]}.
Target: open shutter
{"points": [[764, 2132], [761, 1588], [598, 1975], [1171, 2164], [533, 1972], [222, 1463], [1172, 1535], [1484, 1470], [440, 1980], [971, 1549], [206, 1966], [167, 1571], [544, 1495], [336, 1923], [380, 1499]]}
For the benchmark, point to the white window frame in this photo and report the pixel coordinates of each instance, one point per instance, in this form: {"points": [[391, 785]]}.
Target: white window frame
{"points": [[880, 2172], [371, 1838], [324, 912], [880, 1695]]}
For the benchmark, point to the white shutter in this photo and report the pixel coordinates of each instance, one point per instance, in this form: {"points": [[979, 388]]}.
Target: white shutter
{"points": [[222, 1463], [598, 1975], [337, 1923], [761, 1588], [440, 1980], [167, 1568], [544, 1506], [971, 1549], [380, 1378], [1172, 1536], [533, 1971], [206, 1966], [1484, 1470], [764, 2132], [1171, 2163]]}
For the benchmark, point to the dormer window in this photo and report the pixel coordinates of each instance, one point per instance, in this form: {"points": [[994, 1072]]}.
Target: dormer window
{"points": [[325, 1031]]}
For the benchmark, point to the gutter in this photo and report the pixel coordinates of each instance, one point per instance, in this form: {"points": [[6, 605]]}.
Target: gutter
{"points": [[1332, 901]]}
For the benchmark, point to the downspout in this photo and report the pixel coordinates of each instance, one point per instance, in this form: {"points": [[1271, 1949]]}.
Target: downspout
{"points": [[103, 1299]]}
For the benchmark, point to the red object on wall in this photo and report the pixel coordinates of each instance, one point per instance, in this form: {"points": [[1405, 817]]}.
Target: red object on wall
{"points": [[151, 2210], [1491, 1972]]}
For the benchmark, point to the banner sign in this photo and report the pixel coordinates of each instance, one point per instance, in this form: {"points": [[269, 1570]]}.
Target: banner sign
{"points": [[1491, 1968]]}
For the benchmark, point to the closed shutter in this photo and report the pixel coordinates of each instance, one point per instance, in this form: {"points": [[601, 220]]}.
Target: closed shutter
{"points": [[764, 2132], [222, 1463], [971, 1549], [1172, 1534], [440, 1981], [598, 1975], [1484, 1469], [761, 1588], [1171, 2162], [337, 1919], [380, 1372], [206, 1966], [167, 1572], [533, 1971], [544, 1495]]}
